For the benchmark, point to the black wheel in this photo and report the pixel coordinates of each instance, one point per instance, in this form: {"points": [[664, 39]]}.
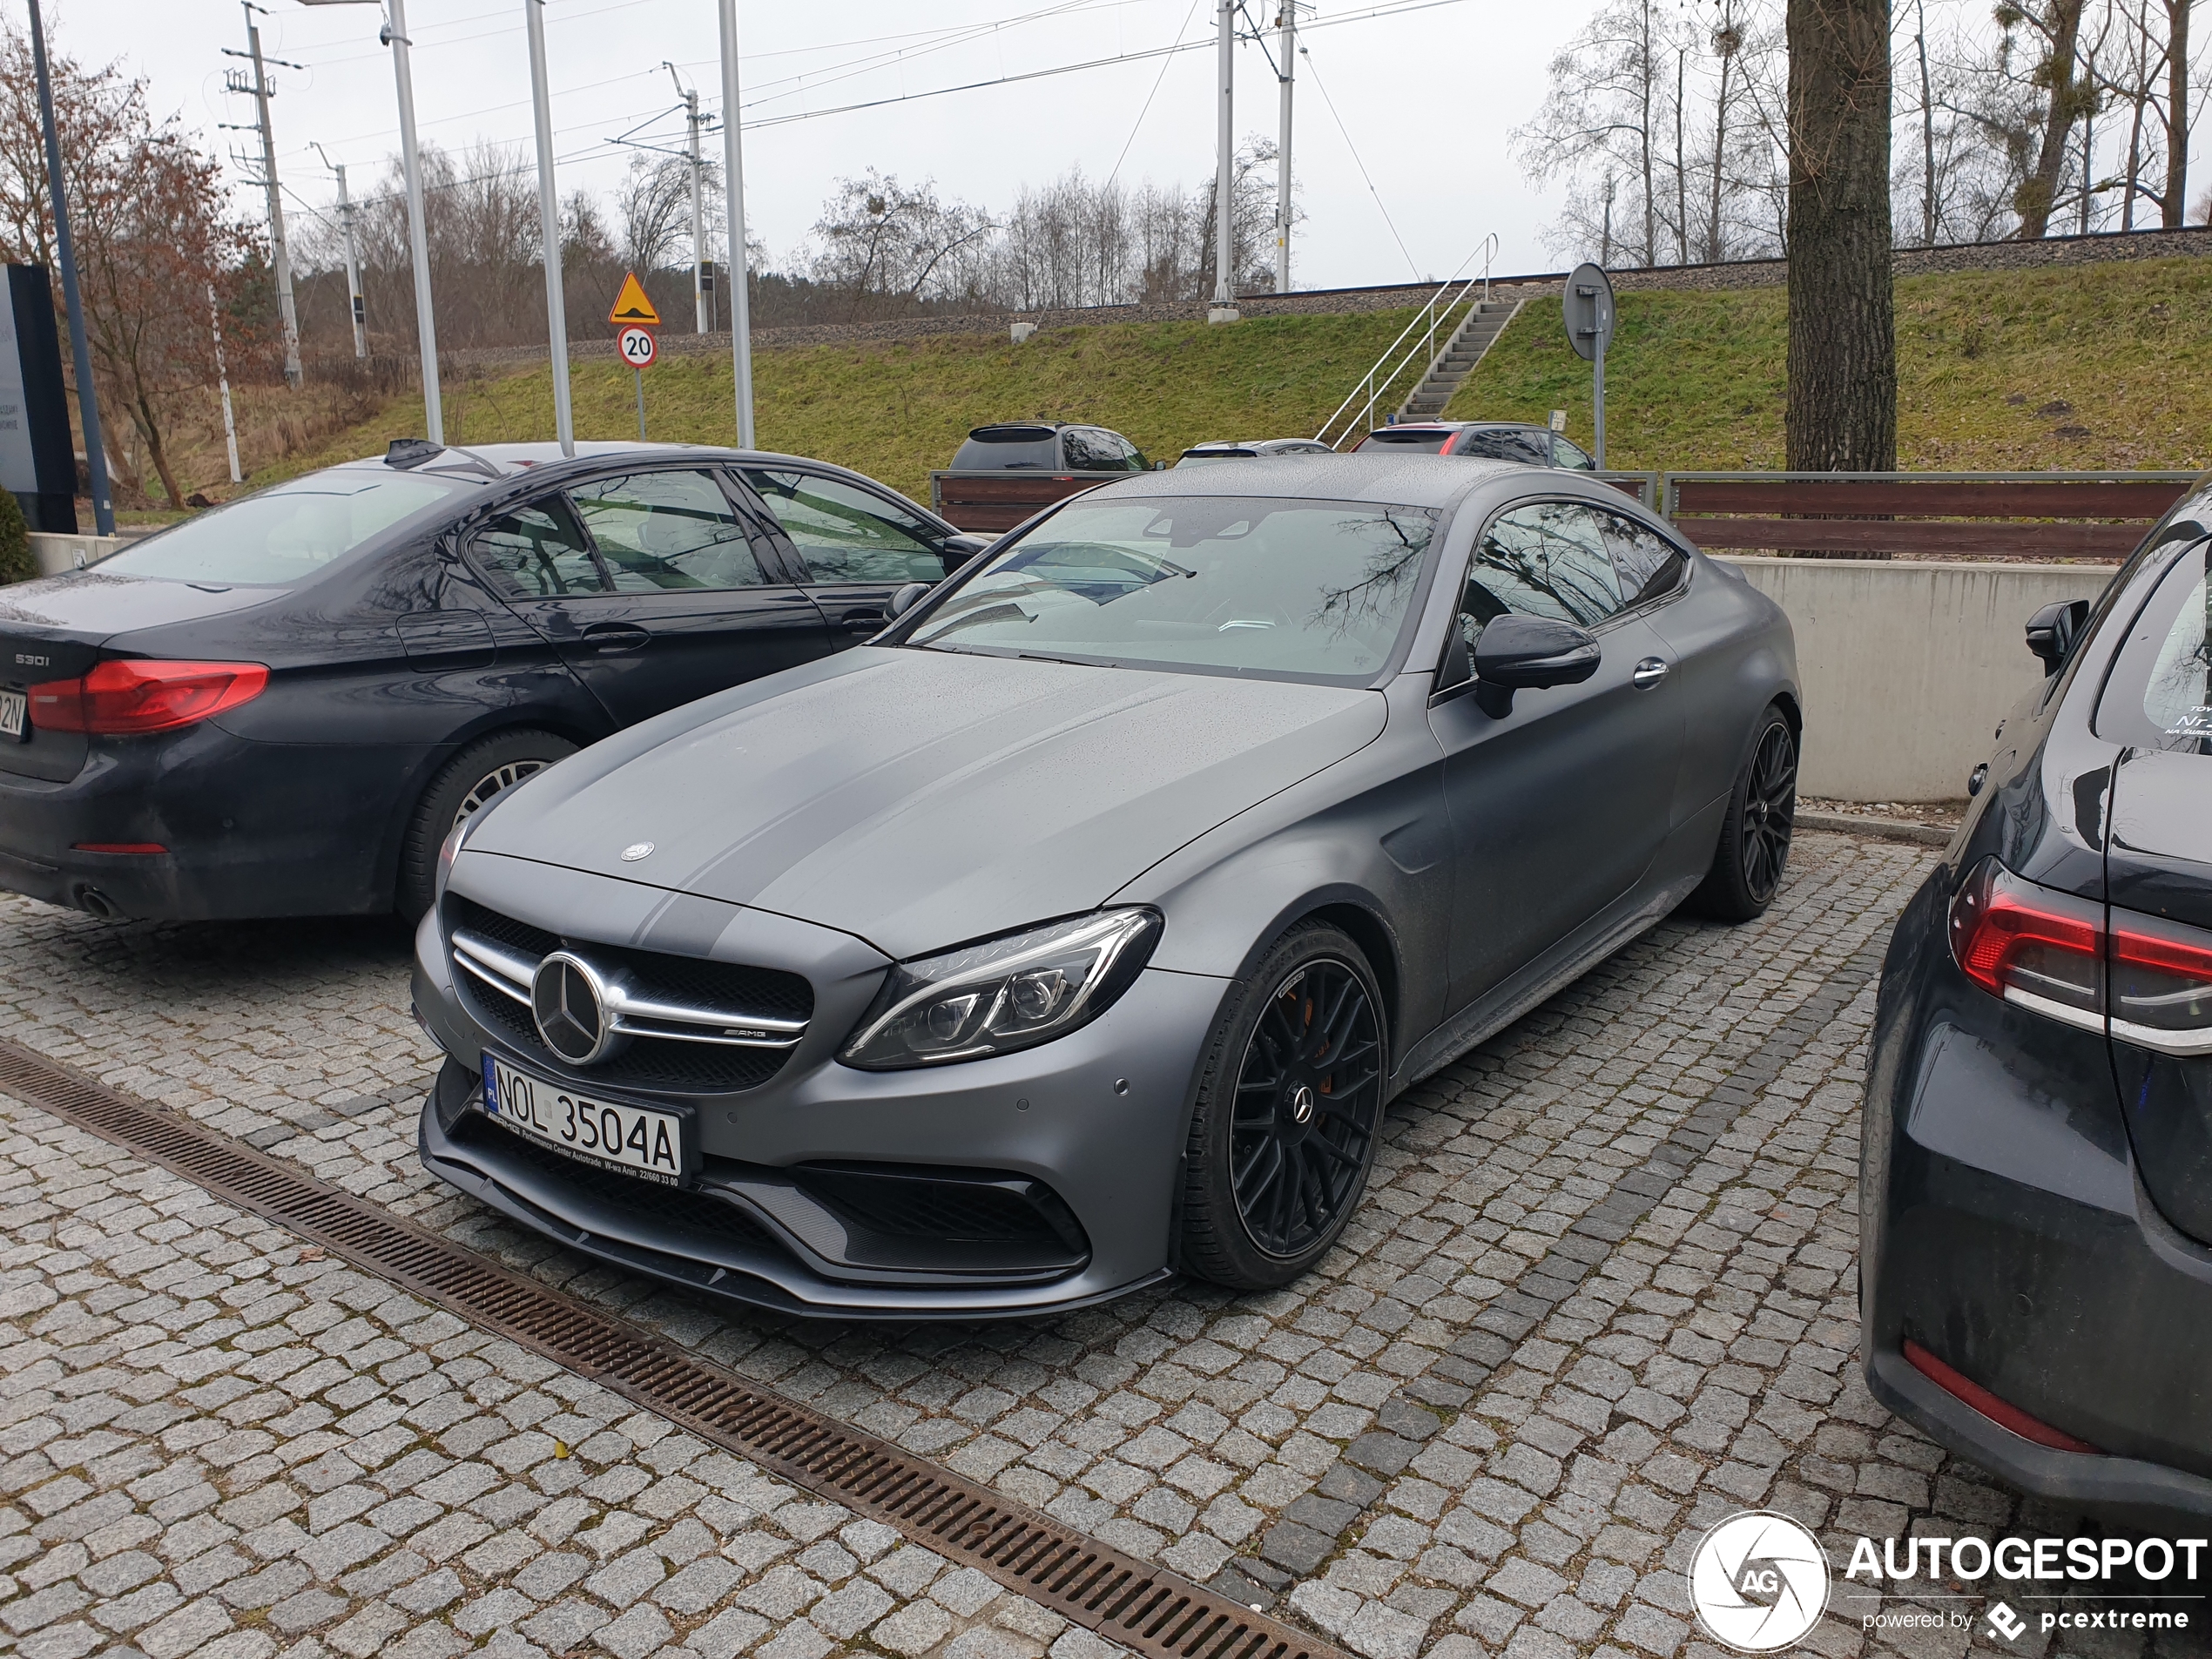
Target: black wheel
{"points": [[465, 785], [1754, 836], [1288, 1115]]}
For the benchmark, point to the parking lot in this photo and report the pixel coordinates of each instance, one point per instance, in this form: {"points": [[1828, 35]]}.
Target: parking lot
{"points": [[1601, 1294]]}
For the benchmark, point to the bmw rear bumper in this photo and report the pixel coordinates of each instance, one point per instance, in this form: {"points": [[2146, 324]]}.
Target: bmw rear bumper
{"points": [[1090, 1127], [249, 829]]}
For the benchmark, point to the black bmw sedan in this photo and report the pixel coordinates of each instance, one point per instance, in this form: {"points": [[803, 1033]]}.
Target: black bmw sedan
{"points": [[1080, 926], [2036, 1185], [281, 707]]}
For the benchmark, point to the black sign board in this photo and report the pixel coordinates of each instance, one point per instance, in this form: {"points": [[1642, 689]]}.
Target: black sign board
{"points": [[37, 452]]}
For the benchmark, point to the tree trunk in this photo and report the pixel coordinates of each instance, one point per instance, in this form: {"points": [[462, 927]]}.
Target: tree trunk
{"points": [[2177, 114], [1720, 149], [1643, 136], [143, 417], [2041, 188], [1842, 412], [1682, 176]]}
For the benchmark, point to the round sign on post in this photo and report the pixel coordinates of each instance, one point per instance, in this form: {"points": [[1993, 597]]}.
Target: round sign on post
{"points": [[637, 347], [1588, 305]]}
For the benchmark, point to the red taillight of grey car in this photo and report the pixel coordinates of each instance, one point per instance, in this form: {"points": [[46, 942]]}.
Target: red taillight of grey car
{"points": [[123, 699], [2076, 961]]}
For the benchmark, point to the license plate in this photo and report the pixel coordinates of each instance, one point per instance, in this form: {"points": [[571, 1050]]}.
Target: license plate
{"points": [[638, 1140], [15, 714]]}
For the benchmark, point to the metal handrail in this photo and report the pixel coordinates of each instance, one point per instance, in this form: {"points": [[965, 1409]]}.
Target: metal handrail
{"points": [[1373, 390]]}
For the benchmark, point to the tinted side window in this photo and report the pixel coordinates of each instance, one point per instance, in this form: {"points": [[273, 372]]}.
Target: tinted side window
{"points": [[1566, 455], [1090, 451], [1650, 566], [537, 552], [1544, 560], [2160, 694], [1487, 446], [1132, 457], [847, 535], [668, 530]]}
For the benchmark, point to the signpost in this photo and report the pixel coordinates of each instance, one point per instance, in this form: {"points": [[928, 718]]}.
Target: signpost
{"points": [[1588, 305], [634, 315]]}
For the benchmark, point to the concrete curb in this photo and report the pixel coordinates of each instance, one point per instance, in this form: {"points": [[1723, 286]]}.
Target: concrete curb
{"points": [[1887, 829]]}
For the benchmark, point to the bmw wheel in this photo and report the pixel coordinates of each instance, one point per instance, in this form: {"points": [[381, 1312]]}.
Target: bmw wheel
{"points": [[1754, 836], [1288, 1116], [465, 786]]}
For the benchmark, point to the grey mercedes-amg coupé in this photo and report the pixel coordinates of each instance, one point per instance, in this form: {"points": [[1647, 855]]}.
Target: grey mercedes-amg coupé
{"points": [[1079, 928]]}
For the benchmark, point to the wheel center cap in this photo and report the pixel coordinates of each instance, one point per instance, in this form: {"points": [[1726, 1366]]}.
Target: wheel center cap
{"points": [[1758, 815], [1301, 1104]]}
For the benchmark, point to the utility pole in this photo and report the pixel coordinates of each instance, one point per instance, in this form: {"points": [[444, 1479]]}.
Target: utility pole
{"points": [[733, 185], [1223, 308], [1285, 73], [88, 401], [702, 269], [223, 381], [549, 217], [353, 306], [261, 92], [393, 34]]}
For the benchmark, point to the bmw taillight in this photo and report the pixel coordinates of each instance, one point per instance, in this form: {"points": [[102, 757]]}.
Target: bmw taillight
{"points": [[2059, 955], [121, 698]]}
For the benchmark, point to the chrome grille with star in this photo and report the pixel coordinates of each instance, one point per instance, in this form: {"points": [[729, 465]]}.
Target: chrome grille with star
{"points": [[641, 1018]]}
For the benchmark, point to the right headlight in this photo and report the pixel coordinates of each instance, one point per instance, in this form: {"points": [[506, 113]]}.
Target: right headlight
{"points": [[1003, 994]]}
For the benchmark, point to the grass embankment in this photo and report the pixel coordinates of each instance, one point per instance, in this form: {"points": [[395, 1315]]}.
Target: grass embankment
{"points": [[2080, 368], [896, 408]]}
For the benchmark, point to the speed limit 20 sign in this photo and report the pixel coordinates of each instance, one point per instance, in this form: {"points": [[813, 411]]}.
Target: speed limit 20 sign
{"points": [[637, 347]]}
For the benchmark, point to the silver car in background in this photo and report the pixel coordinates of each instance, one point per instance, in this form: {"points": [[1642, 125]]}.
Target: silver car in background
{"points": [[1077, 930]]}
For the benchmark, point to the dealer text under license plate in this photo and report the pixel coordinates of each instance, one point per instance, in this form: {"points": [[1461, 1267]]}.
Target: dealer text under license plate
{"points": [[636, 1139]]}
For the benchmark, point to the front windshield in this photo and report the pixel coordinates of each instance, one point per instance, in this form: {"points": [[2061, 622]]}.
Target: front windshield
{"points": [[285, 534], [1304, 590]]}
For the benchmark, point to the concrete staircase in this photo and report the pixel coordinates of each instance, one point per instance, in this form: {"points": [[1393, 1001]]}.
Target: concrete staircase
{"points": [[1484, 323]]}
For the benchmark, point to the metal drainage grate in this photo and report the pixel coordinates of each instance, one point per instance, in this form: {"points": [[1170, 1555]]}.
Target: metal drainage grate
{"points": [[1145, 1609]]}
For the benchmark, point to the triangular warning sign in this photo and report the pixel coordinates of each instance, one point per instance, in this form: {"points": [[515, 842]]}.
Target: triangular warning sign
{"points": [[631, 305]]}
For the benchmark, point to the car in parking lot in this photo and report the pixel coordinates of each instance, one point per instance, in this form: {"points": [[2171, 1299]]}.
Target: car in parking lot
{"points": [[1488, 440], [1203, 455], [280, 707], [1077, 929], [2036, 1183], [1047, 446]]}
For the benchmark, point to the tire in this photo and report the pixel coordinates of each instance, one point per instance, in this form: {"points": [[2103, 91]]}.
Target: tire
{"points": [[464, 784], [1754, 847], [1279, 1155]]}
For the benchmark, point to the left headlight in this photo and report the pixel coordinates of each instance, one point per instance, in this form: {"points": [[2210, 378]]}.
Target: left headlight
{"points": [[1003, 994]]}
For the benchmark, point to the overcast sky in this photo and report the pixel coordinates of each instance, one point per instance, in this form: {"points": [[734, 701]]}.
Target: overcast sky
{"points": [[1426, 100]]}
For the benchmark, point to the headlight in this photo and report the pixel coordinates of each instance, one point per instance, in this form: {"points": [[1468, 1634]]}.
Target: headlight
{"points": [[1004, 994]]}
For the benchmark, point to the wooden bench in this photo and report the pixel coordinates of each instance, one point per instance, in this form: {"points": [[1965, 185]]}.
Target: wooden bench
{"points": [[2049, 516], [998, 501]]}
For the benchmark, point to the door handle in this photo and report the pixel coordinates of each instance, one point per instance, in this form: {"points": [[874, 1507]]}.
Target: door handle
{"points": [[1648, 672], [865, 622], [611, 636]]}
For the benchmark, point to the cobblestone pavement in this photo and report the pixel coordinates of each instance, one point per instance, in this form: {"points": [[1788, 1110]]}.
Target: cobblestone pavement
{"points": [[1600, 1295]]}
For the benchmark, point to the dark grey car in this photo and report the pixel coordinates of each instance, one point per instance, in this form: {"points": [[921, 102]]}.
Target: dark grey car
{"points": [[1079, 928]]}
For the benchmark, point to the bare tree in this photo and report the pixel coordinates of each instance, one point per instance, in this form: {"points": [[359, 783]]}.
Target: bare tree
{"points": [[654, 210]]}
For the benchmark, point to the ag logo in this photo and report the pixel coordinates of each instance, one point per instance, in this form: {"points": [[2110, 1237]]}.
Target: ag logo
{"points": [[1759, 1581], [2006, 1622]]}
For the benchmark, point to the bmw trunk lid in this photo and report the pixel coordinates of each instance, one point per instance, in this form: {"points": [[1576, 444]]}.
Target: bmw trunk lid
{"points": [[55, 628]]}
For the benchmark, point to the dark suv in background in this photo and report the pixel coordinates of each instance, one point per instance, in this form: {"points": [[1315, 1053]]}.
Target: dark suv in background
{"points": [[1486, 440], [1047, 446]]}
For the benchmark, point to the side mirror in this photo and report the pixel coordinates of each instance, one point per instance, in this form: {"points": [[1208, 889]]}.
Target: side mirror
{"points": [[2052, 631], [906, 599], [1518, 653], [963, 547], [1159, 466]]}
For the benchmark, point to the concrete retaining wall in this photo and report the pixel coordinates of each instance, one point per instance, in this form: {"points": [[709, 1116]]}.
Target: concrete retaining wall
{"points": [[1908, 667], [55, 554]]}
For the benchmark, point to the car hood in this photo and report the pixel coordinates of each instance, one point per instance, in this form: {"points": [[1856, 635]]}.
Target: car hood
{"points": [[921, 799]]}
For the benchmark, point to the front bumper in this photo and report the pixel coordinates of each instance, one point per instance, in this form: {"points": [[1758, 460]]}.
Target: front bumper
{"points": [[1097, 1120], [251, 829], [2004, 1227]]}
